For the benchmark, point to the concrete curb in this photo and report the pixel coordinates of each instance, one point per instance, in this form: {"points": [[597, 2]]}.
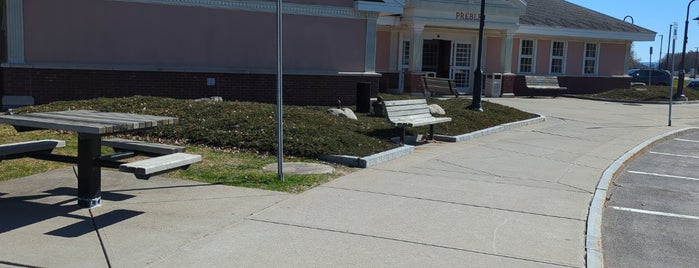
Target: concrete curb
{"points": [[368, 161], [490, 130], [593, 239], [375, 159]]}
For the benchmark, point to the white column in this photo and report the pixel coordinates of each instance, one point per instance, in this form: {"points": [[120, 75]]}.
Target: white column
{"points": [[15, 31], [416, 48], [507, 51], [370, 53]]}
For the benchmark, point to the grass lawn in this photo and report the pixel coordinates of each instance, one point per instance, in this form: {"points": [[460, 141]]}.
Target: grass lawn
{"points": [[236, 139], [644, 93]]}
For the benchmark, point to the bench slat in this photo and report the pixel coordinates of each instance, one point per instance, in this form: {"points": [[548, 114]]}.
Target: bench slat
{"points": [[30, 146], [147, 167], [439, 85], [141, 146]]}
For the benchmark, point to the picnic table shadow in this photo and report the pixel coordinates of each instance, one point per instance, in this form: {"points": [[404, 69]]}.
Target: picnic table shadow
{"points": [[23, 211]]}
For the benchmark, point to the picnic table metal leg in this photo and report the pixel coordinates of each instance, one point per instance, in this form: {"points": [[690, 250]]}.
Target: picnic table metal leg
{"points": [[89, 172]]}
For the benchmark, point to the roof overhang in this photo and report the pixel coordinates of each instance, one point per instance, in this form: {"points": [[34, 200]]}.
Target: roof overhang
{"points": [[586, 33], [383, 7]]}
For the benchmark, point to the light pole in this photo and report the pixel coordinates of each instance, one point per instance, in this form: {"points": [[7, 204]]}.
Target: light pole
{"points": [[680, 83], [674, 37], [660, 54], [478, 73], [667, 58], [696, 54]]}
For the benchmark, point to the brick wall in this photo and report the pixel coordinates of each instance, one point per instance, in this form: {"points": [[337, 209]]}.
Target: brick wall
{"points": [[47, 85]]}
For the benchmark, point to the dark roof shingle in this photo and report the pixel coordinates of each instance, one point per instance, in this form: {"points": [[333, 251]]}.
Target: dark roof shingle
{"points": [[559, 13]]}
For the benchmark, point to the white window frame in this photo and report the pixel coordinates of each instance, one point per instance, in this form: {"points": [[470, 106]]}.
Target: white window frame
{"points": [[532, 57], [563, 58], [405, 56], [595, 58]]}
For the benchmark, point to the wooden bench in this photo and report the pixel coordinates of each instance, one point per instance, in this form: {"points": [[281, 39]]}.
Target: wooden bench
{"points": [[411, 113], [142, 147], [547, 83], [144, 169], [21, 149], [441, 86]]}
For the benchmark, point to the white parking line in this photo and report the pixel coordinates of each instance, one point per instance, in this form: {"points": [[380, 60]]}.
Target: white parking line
{"points": [[678, 155], [695, 141], [663, 175], [658, 213]]}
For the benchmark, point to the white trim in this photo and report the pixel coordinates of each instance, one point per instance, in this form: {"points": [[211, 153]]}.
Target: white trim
{"points": [[390, 7], [564, 57], [15, 31], [584, 33], [268, 6], [532, 56], [597, 47], [184, 69]]}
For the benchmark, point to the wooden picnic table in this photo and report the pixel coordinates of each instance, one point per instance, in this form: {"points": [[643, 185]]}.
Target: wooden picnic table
{"points": [[90, 127]]}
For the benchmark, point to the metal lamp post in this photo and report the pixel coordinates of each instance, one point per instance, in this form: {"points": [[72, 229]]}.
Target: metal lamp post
{"points": [[680, 83], [478, 73], [660, 54], [667, 58], [280, 116]]}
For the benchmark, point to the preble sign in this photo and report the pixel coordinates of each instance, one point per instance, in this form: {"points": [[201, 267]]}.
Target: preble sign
{"points": [[467, 16]]}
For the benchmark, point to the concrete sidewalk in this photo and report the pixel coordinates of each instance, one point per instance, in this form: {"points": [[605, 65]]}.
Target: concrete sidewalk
{"points": [[517, 198]]}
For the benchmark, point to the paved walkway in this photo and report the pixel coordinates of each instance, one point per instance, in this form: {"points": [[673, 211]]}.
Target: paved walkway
{"points": [[517, 198]]}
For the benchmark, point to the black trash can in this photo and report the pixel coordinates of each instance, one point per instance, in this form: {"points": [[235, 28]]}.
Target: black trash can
{"points": [[363, 97]]}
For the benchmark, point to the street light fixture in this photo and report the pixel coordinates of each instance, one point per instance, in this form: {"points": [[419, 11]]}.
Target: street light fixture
{"points": [[680, 84], [478, 73], [667, 58]]}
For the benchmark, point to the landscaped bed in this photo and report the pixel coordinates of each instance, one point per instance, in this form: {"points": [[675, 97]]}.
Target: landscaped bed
{"points": [[237, 139]]}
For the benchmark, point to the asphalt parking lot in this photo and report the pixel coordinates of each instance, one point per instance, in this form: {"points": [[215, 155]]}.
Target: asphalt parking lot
{"points": [[651, 218]]}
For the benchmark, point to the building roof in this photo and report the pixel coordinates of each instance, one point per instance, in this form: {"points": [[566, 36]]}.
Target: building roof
{"points": [[562, 14]]}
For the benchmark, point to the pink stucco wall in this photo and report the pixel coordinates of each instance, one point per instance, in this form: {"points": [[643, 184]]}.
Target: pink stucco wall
{"points": [[612, 58], [383, 51], [575, 58], [543, 56], [493, 55], [123, 33]]}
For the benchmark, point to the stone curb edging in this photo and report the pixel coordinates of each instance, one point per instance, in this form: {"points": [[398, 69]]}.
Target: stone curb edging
{"points": [[375, 159], [490, 130], [593, 239], [368, 161]]}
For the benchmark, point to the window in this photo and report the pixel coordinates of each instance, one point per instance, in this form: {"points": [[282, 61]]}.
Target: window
{"points": [[405, 59], [590, 61], [558, 53], [526, 56]]}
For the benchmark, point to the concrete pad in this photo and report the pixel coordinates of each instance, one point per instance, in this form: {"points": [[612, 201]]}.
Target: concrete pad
{"points": [[443, 224], [300, 168], [140, 222], [265, 244], [487, 194]]}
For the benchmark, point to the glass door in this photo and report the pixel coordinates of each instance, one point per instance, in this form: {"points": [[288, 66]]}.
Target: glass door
{"points": [[460, 69]]}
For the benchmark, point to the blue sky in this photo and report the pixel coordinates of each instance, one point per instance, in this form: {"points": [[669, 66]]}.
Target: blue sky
{"points": [[654, 15]]}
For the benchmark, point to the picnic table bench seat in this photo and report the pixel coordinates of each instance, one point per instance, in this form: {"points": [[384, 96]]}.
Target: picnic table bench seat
{"points": [[535, 83], [20, 149], [144, 169], [142, 146], [411, 113], [440, 86]]}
